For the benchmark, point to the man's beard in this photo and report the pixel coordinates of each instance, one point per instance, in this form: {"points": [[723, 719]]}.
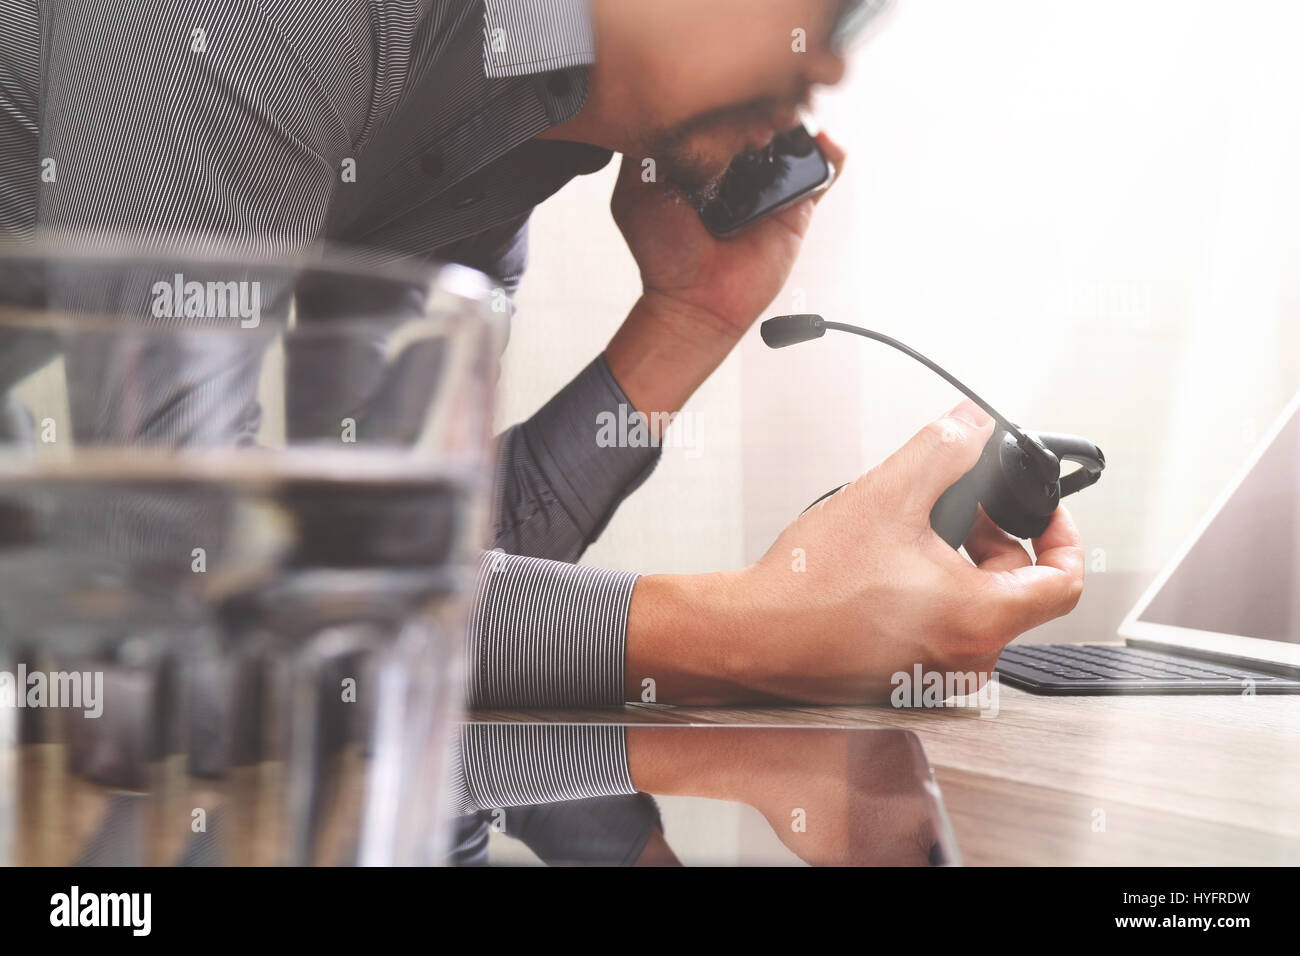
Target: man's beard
{"points": [[686, 173], [692, 176]]}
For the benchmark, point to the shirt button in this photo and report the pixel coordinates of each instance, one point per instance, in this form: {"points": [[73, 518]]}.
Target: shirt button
{"points": [[557, 83], [431, 165]]}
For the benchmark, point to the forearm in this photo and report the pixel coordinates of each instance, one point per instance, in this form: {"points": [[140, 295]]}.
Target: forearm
{"points": [[686, 640], [680, 761], [665, 350], [721, 763], [559, 479], [545, 633], [503, 765]]}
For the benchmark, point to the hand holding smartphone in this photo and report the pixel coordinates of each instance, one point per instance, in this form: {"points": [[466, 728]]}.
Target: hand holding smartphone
{"points": [[760, 183]]}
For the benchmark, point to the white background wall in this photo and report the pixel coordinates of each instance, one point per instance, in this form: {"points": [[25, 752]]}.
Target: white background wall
{"points": [[1085, 210]]}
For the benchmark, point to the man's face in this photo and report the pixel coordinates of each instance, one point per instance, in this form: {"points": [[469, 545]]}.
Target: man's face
{"points": [[713, 78]]}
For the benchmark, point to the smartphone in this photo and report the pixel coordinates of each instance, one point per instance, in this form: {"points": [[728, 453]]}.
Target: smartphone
{"points": [[759, 183]]}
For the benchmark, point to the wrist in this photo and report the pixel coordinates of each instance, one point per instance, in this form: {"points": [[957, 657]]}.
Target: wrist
{"points": [[685, 644], [690, 761], [665, 349]]}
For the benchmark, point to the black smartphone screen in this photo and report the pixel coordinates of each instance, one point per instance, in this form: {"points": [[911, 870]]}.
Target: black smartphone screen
{"points": [[761, 182]]}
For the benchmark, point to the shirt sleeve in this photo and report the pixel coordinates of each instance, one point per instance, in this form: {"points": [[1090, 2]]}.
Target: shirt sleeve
{"points": [[495, 766], [543, 632], [560, 477], [547, 634], [565, 790]]}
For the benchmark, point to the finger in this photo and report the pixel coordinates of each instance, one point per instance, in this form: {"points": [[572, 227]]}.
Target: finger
{"points": [[932, 461], [799, 215], [1060, 533], [992, 549], [1038, 593], [835, 156]]}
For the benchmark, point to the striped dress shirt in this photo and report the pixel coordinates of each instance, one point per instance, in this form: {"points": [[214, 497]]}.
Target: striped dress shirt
{"points": [[231, 121]]}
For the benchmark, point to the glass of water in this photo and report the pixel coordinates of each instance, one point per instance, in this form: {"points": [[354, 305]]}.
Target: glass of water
{"points": [[240, 499]]}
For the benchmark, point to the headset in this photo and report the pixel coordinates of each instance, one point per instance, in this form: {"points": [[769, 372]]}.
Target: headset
{"points": [[1017, 479]]}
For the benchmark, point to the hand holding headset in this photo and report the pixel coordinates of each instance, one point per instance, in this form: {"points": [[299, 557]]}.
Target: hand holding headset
{"points": [[1017, 479]]}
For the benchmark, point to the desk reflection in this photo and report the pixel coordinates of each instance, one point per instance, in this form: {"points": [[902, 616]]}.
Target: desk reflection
{"points": [[585, 794]]}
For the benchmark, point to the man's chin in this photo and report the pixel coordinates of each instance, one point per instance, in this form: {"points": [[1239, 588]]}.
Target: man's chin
{"points": [[696, 186], [694, 168]]}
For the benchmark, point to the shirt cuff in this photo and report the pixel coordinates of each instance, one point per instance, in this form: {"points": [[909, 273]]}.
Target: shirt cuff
{"points": [[585, 443], [515, 765], [547, 634]]}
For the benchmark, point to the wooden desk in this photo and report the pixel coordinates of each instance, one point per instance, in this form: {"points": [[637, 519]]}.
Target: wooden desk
{"points": [[1180, 780]]}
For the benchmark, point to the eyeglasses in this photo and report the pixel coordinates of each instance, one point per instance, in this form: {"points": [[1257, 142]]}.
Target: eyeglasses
{"points": [[853, 19]]}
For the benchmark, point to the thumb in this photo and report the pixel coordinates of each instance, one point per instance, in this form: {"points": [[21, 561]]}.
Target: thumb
{"points": [[936, 456]]}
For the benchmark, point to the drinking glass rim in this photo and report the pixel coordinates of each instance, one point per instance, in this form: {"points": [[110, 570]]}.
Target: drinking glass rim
{"points": [[462, 282], [305, 464]]}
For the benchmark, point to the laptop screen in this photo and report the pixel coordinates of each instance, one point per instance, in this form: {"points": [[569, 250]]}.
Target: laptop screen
{"points": [[1241, 576]]}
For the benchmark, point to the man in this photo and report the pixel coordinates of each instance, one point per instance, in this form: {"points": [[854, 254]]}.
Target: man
{"points": [[433, 127]]}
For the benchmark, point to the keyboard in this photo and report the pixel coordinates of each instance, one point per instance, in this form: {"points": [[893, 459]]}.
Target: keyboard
{"points": [[1107, 669]]}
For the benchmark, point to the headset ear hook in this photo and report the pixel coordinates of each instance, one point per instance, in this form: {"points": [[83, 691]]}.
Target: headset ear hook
{"points": [[1082, 452]]}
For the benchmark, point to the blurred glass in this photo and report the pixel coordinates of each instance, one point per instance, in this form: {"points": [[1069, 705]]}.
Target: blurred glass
{"points": [[239, 502]]}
